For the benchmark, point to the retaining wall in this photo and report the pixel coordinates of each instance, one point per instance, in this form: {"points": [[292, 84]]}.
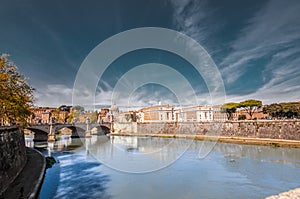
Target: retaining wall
{"points": [[12, 155], [273, 129]]}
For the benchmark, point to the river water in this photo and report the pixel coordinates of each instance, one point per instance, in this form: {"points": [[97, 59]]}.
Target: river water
{"points": [[136, 167]]}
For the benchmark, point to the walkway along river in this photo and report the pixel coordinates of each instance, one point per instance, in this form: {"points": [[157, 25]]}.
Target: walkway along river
{"points": [[229, 171]]}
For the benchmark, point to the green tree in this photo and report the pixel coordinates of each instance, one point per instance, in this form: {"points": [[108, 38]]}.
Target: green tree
{"points": [[78, 108], [242, 117], [94, 117], [283, 110], [274, 110], [250, 106], [16, 96], [229, 109], [290, 109]]}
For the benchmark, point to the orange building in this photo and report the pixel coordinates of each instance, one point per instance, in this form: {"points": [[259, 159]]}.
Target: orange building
{"points": [[103, 115], [41, 115], [257, 114]]}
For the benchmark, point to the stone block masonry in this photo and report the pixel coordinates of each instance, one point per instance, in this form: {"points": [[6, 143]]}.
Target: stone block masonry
{"points": [[12, 155], [270, 129], [292, 194]]}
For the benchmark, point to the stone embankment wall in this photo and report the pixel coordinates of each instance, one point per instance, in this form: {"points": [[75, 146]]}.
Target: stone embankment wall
{"points": [[292, 194], [273, 129], [126, 127], [12, 155]]}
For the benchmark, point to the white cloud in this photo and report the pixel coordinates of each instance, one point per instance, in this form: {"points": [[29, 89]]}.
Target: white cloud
{"points": [[273, 28], [194, 18], [53, 95], [282, 92], [273, 31]]}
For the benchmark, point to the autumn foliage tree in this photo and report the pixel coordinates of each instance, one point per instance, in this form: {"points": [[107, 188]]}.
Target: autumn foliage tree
{"points": [[16, 96]]}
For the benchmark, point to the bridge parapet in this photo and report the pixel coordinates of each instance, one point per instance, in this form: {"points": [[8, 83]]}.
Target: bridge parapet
{"points": [[78, 129]]}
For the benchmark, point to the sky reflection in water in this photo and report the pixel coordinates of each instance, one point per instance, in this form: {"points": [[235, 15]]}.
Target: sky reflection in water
{"points": [[230, 171]]}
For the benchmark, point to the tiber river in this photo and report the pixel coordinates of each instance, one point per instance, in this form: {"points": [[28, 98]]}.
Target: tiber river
{"points": [[132, 167]]}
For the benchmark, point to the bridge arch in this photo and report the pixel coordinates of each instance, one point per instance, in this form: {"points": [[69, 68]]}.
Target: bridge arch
{"points": [[39, 134], [102, 129], [76, 131]]}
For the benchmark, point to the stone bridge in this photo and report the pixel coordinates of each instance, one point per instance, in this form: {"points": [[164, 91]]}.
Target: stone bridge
{"points": [[49, 131]]}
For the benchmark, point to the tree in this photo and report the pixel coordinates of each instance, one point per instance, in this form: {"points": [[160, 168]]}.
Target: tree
{"points": [[94, 117], [229, 109], [283, 110], [250, 106], [290, 109], [16, 96], [78, 108], [242, 117], [274, 110]]}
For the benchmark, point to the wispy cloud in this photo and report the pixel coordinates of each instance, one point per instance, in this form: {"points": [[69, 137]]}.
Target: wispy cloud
{"points": [[272, 31], [272, 34], [194, 18], [150, 95], [268, 41], [284, 82], [200, 21], [147, 85]]}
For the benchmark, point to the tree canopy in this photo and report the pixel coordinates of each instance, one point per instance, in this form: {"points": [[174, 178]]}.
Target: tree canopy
{"points": [[229, 109], [78, 108], [283, 110], [16, 96], [250, 106]]}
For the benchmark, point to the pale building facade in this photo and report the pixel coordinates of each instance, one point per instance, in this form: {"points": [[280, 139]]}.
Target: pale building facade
{"points": [[159, 113], [195, 114], [167, 113], [218, 115]]}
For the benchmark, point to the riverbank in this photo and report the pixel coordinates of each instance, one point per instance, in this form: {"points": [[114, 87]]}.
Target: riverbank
{"points": [[226, 139], [29, 181], [292, 194]]}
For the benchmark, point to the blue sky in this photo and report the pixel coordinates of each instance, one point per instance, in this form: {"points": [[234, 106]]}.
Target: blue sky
{"points": [[255, 45]]}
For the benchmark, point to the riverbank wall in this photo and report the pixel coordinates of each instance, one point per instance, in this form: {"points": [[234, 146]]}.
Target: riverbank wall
{"points": [[269, 129], [12, 155]]}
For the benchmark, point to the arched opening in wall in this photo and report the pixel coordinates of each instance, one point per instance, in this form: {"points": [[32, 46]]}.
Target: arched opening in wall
{"points": [[73, 131], [100, 130], [39, 135]]}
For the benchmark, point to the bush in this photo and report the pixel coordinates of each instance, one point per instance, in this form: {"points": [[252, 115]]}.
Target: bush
{"points": [[242, 117]]}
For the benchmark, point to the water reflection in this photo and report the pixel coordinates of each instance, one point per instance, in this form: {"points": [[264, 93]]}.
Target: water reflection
{"points": [[75, 175], [137, 154], [29, 140], [260, 153], [64, 143], [81, 178], [229, 171]]}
